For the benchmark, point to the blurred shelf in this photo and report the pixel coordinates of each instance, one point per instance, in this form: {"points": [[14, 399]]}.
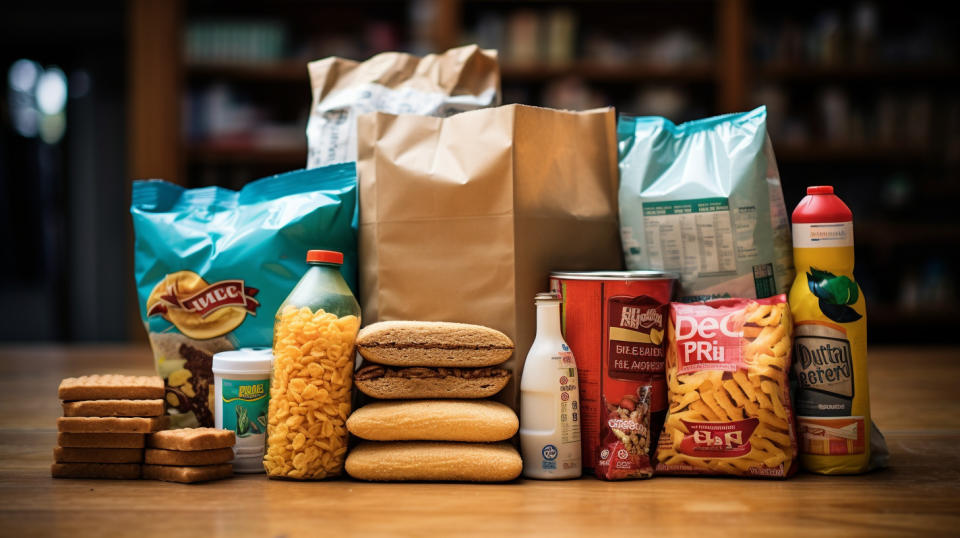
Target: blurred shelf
{"points": [[296, 71], [869, 73], [822, 152], [891, 233], [246, 154], [888, 315], [279, 71], [600, 72]]}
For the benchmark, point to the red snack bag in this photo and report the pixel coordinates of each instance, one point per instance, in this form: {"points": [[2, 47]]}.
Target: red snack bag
{"points": [[625, 438]]}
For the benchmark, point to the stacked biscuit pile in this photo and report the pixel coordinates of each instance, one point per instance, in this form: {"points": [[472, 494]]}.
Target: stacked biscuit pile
{"points": [[105, 421], [108, 419], [189, 455], [435, 425]]}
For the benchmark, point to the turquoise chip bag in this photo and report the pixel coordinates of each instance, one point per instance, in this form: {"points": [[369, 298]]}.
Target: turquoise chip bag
{"points": [[703, 199], [212, 266]]}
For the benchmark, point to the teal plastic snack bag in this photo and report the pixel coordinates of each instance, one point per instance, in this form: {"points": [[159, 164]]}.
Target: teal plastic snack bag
{"points": [[703, 199], [212, 266]]}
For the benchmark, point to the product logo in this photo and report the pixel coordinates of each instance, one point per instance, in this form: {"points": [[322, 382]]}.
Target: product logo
{"points": [[835, 293], [829, 232], [627, 425], [823, 364], [550, 452], [249, 393], [634, 317], [718, 439], [635, 337], [708, 341], [201, 310]]}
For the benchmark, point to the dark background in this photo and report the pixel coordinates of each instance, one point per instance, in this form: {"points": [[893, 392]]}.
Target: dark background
{"points": [[860, 95]]}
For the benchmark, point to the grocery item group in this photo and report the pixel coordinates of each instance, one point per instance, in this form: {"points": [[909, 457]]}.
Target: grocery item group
{"points": [[497, 331]]}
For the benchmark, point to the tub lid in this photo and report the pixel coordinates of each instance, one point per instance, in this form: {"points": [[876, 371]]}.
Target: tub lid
{"points": [[246, 360], [614, 275]]}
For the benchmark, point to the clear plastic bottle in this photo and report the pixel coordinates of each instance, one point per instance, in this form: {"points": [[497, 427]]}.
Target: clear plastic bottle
{"points": [[550, 400], [310, 388]]}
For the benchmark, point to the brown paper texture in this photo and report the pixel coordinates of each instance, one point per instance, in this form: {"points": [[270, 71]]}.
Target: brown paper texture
{"points": [[463, 218], [460, 79]]}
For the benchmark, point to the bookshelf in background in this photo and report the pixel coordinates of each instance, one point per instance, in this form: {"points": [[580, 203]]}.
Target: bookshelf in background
{"points": [[859, 95]]}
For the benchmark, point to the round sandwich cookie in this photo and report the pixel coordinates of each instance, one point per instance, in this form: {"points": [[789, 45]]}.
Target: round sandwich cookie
{"points": [[418, 382], [477, 421], [425, 460], [433, 343]]}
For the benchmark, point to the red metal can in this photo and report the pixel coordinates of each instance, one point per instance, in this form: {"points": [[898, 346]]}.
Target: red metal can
{"points": [[615, 322]]}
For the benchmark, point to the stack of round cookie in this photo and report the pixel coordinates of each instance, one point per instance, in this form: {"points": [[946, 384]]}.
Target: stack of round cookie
{"points": [[434, 424]]}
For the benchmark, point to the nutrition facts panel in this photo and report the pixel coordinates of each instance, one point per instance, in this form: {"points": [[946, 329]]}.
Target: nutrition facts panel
{"points": [[694, 237]]}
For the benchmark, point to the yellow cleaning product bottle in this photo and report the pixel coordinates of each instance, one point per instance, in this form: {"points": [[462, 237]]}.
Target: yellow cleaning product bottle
{"points": [[830, 339]]}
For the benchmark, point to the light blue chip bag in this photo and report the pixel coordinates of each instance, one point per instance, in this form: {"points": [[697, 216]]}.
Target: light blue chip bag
{"points": [[703, 199], [212, 266]]}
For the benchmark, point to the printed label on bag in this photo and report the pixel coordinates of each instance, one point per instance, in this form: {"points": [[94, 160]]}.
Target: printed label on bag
{"points": [[692, 237], [708, 341], [718, 439]]}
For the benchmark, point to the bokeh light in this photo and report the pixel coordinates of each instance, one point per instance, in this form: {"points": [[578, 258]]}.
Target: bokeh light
{"points": [[37, 100]]}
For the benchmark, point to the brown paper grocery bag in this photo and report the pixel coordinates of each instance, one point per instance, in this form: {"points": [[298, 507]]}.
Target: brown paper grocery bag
{"points": [[463, 218]]}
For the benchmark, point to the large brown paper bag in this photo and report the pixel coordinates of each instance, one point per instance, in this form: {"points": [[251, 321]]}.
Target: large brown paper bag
{"points": [[463, 218]]}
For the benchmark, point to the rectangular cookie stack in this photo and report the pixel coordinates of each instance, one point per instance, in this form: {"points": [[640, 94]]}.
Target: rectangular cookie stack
{"points": [[437, 426], [189, 455], [104, 425]]}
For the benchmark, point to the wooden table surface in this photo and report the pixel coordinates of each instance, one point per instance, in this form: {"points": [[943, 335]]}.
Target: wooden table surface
{"points": [[916, 402]]}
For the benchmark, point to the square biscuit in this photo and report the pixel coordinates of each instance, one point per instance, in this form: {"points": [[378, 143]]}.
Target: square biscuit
{"points": [[183, 458], [187, 475], [116, 471], [113, 408], [101, 440], [111, 386], [112, 424], [97, 455], [190, 439]]}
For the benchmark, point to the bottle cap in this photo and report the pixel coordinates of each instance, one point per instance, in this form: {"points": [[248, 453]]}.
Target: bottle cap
{"points": [[243, 361], [547, 296], [325, 256], [821, 205]]}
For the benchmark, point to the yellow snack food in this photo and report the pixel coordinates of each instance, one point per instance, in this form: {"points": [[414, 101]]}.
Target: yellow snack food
{"points": [[310, 393]]}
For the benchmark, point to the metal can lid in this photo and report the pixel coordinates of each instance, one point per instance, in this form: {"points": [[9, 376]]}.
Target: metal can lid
{"points": [[614, 275]]}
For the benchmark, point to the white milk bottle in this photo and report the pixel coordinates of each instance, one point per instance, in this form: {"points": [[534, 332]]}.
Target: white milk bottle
{"points": [[550, 400]]}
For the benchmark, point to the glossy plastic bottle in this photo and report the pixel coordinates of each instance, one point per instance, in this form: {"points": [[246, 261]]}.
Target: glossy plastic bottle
{"points": [[313, 340], [830, 339], [550, 400]]}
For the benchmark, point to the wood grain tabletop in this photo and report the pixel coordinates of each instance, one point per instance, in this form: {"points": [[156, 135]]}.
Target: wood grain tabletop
{"points": [[916, 403]]}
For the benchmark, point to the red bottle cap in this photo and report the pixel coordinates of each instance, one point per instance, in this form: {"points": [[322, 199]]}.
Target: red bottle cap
{"points": [[325, 256], [821, 205]]}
